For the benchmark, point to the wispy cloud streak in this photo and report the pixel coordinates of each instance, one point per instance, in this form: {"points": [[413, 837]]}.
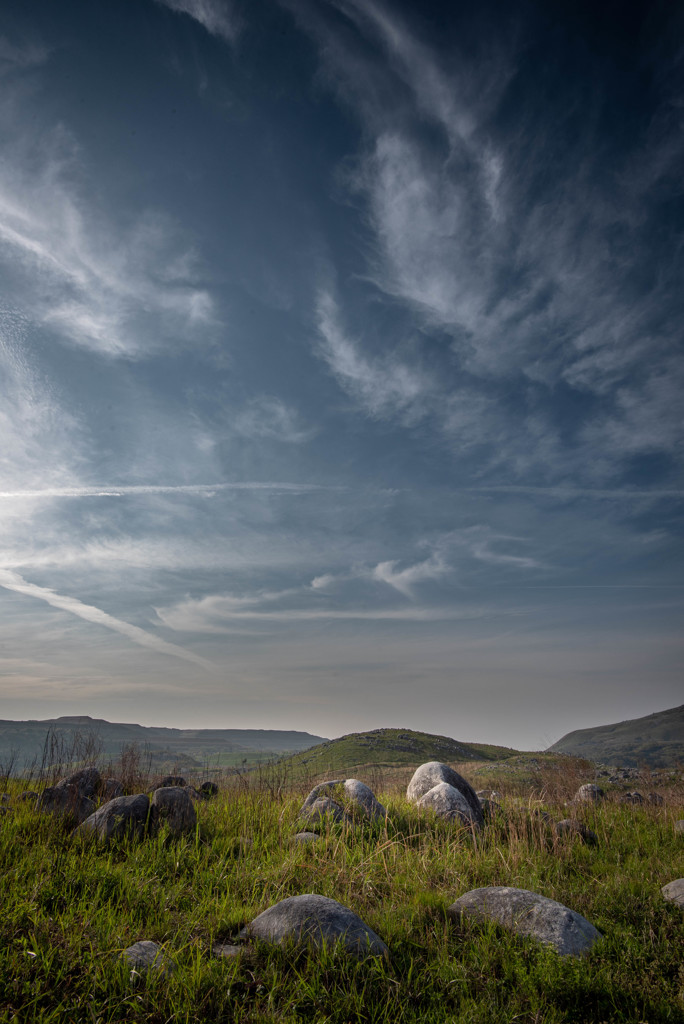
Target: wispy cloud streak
{"points": [[13, 581], [204, 490]]}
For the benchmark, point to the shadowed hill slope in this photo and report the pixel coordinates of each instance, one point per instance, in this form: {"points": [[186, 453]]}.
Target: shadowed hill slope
{"points": [[656, 740]]}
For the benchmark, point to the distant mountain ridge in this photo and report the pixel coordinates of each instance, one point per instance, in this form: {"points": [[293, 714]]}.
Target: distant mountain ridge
{"points": [[656, 740], [23, 742]]}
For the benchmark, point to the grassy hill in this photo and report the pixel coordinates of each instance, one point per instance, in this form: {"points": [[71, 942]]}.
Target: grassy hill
{"points": [[388, 748], [655, 740]]}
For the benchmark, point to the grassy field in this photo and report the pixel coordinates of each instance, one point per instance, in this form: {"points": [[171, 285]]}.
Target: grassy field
{"points": [[68, 907]]}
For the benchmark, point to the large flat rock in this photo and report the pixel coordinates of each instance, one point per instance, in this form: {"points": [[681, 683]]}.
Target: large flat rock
{"points": [[318, 921], [529, 914]]}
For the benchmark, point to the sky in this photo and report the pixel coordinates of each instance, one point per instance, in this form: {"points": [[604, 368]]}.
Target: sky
{"points": [[341, 364]]}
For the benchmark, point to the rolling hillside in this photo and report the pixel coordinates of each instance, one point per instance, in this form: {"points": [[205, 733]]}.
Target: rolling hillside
{"points": [[656, 740]]}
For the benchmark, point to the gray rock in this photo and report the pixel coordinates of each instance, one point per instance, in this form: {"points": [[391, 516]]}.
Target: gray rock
{"points": [[122, 816], [146, 955], [674, 891], [655, 799], [360, 798], [316, 920], [488, 794], [86, 780], [172, 780], [571, 828], [171, 804], [27, 795], [305, 837], [67, 801], [209, 788], [527, 913], [679, 826], [449, 803], [589, 793], [322, 808], [323, 789], [490, 808], [631, 798], [431, 774], [227, 950], [111, 789]]}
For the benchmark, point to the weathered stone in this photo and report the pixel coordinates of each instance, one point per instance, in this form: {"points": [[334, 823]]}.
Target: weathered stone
{"points": [[86, 780], [316, 920], [570, 827], [674, 891], [305, 837], [171, 804], [679, 826], [172, 780], [431, 774], [527, 913], [655, 799], [111, 789], [120, 817], [67, 801], [146, 955], [589, 793], [209, 788], [360, 798], [227, 950], [631, 798], [322, 808], [449, 803]]}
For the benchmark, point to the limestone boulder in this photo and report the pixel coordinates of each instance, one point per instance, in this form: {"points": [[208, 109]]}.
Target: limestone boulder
{"points": [[527, 913], [317, 921], [431, 774], [67, 801], [571, 828], [589, 793], [172, 804], [124, 816], [449, 803], [674, 891]]}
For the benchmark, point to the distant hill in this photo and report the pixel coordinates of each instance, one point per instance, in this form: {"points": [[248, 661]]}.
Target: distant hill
{"points": [[22, 743], [388, 748], [656, 740]]}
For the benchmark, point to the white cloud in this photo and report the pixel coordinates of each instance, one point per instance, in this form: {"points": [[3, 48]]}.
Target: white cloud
{"points": [[404, 580], [216, 16], [13, 581], [120, 491]]}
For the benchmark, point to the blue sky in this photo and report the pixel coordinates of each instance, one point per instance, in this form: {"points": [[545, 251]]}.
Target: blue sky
{"points": [[341, 364]]}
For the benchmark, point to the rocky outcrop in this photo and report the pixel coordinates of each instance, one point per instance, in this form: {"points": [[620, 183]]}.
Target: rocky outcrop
{"points": [[318, 921], [528, 914]]}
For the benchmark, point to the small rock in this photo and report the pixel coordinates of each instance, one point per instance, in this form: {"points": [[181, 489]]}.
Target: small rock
{"points": [[5, 798], [589, 793], [674, 891], [29, 794], [527, 913], [321, 809], [449, 803], [317, 920], [631, 798], [431, 774], [305, 837], [227, 951], [572, 827], [490, 808], [679, 826], [146, 955], [655, 799], [122, 816], [172, 780], [209, 788], [542, 816], [173, 805]]}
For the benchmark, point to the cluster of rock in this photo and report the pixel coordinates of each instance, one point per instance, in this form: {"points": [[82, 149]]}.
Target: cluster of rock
{"points": [[338, 800]]}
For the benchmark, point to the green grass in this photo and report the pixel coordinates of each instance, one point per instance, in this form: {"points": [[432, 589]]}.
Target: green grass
{"points": [[68, 907]]}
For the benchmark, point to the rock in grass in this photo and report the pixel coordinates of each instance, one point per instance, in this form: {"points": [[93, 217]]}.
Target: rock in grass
{"points": [[674, 891], [322, 808], [111, 789], [431, 774], [172, 780], [490, 808], [679, 826], [571, 828], [86, 780], [227, 951], [145, 956], [354, 797], [171, 804], [449, 803], [209, 788], [305, 837], [631, 798], [655, 799], [589, 793], [527, 913], [65, 800], [318, 921], [123, 816]]}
